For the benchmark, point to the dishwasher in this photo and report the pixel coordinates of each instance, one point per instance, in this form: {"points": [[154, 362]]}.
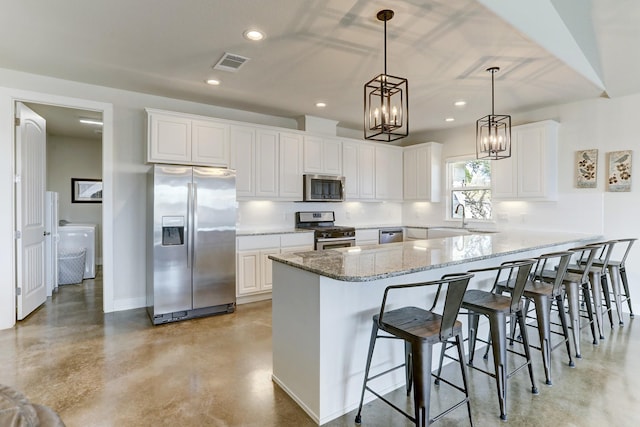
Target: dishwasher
{"points": [[390, 235]]}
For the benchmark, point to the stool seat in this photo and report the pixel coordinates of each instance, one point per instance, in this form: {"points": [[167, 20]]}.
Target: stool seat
{"points": [[415, 324], [487, 302]]}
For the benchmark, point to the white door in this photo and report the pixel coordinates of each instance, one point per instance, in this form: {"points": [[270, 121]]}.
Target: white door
{"points": [[30, 212]]}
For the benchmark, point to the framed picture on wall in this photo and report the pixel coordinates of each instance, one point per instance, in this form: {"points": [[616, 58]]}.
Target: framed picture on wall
{"points": [[86, 190]]}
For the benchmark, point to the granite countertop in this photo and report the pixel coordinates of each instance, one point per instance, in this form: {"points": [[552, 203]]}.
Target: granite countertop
{"points": [[366, 263]]}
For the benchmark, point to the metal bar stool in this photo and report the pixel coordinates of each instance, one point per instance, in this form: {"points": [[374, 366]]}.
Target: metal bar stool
{"points": [[543, 290], [497, 308], [617, 271], [596, 280], [420, 329]]}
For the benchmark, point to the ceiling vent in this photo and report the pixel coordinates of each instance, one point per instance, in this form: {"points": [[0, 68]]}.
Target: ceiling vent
{"points": [[230, 62]]}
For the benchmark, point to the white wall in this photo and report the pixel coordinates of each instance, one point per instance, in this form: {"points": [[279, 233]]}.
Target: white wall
{"points": [[605, 124], [75, 158]]}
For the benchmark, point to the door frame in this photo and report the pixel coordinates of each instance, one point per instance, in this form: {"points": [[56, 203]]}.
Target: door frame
{"points": [[8, 99]]}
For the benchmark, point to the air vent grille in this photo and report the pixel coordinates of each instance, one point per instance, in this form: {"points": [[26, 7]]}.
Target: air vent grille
{"points": [[230, 62]]}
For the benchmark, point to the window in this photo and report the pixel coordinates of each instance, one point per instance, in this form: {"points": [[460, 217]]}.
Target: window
{"points": [[469, 185]]}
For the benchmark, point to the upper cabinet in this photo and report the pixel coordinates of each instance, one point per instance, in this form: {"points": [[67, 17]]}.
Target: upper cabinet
{"points": [[532, 170], [322, 156], [290, 169], [182, 139], [388, 172], [359, 170], [422, 172]]}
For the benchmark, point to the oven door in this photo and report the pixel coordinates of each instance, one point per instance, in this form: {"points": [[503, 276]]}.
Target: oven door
{"points": [[333, 243]]}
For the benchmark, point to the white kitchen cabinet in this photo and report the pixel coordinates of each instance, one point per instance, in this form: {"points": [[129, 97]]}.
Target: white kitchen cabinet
{"points": [[254, 268], [388, 173], [183, 139], [359, 170], [290, 166], [367, 236], [422, 172], [322, 155], [243, 159], [266, 168], [532, 170], [413, 233]]}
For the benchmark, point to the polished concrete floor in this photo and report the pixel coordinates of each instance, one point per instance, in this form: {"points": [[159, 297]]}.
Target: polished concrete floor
{"points": [[118, 370]]}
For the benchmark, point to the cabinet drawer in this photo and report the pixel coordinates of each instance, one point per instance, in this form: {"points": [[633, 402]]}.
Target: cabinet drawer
{"points": [[297, 239], [247, 243]]}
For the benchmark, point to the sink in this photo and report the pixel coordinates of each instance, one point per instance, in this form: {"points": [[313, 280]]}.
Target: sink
{"points": [[440, 232]]}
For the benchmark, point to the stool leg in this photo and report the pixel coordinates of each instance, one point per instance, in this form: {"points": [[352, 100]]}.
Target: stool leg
{"points": [[543, 313], [574, 314], [625, 285], [442, 351], [408, 369], [589, 307], [565, 328], [372, 343], [607, 296], [614, 272], [421, 356], [527, 350], [473, 330], [596, 291], [498, 326], [463, 371]]}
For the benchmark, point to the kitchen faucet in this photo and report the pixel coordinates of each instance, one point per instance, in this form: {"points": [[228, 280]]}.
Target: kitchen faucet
{"points": [[463, 214]]}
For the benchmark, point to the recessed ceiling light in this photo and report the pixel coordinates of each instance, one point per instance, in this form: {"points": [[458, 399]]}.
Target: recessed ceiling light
{"points": [[213, 82], [460, 103], [90, 121], [321, 104], [253, 35], [449, 119]]}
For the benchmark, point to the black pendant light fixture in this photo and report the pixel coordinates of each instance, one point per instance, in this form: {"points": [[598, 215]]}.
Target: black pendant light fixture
{"points": [[493, 132], [386, 100]]}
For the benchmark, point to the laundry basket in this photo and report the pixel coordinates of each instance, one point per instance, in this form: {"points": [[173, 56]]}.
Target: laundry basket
{"points": [[71, 265]]}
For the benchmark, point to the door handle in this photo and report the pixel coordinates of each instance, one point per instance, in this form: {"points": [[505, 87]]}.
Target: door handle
{"points": [[47, 233]]}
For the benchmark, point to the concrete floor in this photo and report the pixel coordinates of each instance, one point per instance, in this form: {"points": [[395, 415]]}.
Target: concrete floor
{"points": [[118, 370]]}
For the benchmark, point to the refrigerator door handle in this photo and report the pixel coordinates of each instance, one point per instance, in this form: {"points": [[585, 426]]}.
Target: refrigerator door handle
{"points": [[189, 224], [194, 224]]}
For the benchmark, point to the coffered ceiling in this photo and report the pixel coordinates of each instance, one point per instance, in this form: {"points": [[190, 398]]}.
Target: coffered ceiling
{"points": [[549, 52]]}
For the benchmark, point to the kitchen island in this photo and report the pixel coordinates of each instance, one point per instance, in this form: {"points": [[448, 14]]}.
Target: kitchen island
{"points": [[323, 302]]}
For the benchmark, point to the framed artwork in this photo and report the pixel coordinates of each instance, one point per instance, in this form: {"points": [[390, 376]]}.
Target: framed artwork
{"points": [[619, 171], [86, 190], [587, 168]]}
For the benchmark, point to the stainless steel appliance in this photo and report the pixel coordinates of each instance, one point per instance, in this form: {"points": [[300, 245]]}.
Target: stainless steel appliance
{"points": [[191, 242], [327, 235], [390, 235], [323, 188]]}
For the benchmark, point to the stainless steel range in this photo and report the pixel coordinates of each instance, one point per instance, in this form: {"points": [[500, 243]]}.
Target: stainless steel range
{"points": [[327, 235]]}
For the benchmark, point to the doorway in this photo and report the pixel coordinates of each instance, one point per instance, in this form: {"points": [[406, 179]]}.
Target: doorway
{"points": [[8, 99]]}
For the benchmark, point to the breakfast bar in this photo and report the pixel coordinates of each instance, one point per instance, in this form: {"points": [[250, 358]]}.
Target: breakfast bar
{"points": [[323, 302]]}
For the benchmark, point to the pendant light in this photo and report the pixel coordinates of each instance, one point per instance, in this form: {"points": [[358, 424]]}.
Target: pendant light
{"points": [[386, 103], [493, 132]]}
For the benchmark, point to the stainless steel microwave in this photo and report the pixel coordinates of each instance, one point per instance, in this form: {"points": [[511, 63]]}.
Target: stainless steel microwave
{"points": [[323, 188]]}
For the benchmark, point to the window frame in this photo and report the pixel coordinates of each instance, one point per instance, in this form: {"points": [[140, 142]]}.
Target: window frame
{"points": [[449, 189]]}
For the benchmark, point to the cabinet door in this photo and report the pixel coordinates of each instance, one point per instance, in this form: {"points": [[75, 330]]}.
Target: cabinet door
{"points": [[332, 156], [410, 171], [388, 173], [531, 162], [210, 143], [267, 268], [290, 187], [266, 179], [350, 170], [248, 272], [169, 139], [313, 154], [504, 175], [367, 171], [243, 147]]}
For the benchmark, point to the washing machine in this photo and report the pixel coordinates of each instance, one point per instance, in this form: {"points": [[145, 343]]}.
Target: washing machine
{"points": [[75, 236]]}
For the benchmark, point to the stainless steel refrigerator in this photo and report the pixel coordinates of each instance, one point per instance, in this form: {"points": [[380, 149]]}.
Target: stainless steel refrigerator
{"points": [[191, 267]]}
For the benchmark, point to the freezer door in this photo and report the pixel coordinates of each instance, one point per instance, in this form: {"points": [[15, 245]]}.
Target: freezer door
{"points": [[214, 272], [171, 238]]}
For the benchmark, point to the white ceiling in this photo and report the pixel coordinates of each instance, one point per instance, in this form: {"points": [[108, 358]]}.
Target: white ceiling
{"points": [[550, 52]]}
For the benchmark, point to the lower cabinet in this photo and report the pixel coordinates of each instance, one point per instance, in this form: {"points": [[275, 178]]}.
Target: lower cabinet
{"points": [[367, 236], [254, 268]]}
